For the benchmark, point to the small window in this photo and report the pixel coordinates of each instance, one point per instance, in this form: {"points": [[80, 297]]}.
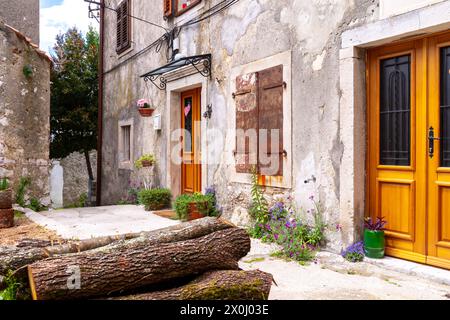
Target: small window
{"points": [[123, 26], [181, 6], [125, 145], [126, 150]]}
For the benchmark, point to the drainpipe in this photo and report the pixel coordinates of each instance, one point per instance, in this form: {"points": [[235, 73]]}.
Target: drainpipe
{"points": [[100, 107]]}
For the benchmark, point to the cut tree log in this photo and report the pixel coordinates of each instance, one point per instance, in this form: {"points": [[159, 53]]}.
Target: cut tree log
{"points": [[216, 285], [13, 258], [133, 264]]}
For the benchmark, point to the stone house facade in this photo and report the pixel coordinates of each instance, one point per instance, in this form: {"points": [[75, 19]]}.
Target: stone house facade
{"points": [[22, 15], [24, 113], [311, 73]]}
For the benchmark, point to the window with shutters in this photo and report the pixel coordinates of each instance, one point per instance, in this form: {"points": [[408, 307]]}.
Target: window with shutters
{"points": [[123, 26], [168, 8], [259, 122], [181, 6]]}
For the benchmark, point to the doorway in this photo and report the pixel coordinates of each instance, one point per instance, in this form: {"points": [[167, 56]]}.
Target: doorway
{"points": [[191, 168], [409, 147]]}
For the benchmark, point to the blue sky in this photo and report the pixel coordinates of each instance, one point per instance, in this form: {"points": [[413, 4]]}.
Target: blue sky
{"points": [[59, 15], [50, 3]]}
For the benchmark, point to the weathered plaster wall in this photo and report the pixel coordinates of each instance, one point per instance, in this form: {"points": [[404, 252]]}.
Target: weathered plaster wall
{"points": [[23, 15], [249, 31], [24, 113]]}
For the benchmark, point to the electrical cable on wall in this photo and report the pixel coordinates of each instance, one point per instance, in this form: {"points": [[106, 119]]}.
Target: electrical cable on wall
{"points": [[170, 34]]}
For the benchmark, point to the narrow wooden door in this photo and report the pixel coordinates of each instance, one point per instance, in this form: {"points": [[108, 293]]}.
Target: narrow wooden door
{"points": [[191, 151], [439, 151], [397, 146]]}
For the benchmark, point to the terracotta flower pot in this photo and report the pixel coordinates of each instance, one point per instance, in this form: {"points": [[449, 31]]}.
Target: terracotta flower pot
{"points": [[194, 212], [6, 199], [6, 218], [146, 163], [146, 112]]}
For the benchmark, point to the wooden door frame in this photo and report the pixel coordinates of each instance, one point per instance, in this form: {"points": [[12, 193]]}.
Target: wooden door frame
{"points": [[195, 139]]}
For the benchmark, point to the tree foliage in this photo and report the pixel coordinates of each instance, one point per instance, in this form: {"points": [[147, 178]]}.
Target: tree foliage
{"points": [[74, 93]]}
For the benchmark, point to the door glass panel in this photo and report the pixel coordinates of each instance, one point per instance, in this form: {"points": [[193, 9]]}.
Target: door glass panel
{"points": [[395, 111], [187, 112], [445, 107]]}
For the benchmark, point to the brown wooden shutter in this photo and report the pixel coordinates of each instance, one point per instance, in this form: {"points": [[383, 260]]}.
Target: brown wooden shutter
{"points": [[123, 26], [168, 10], [246, 99], [270, 114]]}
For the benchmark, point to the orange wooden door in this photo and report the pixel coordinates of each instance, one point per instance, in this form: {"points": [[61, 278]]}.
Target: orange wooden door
{"points": [[191, 151], [439, 153], [397, 146], [409, 147]]}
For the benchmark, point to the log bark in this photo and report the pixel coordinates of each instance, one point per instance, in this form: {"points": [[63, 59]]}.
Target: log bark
{"points": [[13, 258], [134, 264], [216, 285]]}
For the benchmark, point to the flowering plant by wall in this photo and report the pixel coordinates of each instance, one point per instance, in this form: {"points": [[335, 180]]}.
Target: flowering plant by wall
{"points": [[377, 225], [354, 253], [143, 103], [298, 240]]}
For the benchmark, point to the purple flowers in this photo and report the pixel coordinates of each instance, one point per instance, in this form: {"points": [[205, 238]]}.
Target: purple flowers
{"points": [[375, 226], [354, 253]]}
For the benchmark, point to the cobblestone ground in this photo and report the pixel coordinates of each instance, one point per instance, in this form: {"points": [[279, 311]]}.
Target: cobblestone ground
{"points": [[331, 277]]}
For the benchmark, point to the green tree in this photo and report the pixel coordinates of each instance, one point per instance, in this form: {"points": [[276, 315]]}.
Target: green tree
{"points": [[74, 94]]}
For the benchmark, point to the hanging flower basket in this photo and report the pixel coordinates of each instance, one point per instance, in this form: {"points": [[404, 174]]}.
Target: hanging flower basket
{"points": [[144, 108]]}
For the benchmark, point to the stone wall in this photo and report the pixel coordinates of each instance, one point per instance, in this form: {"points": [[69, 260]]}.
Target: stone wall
{"points": [[24, 113], [23, 15], [76, 177]]}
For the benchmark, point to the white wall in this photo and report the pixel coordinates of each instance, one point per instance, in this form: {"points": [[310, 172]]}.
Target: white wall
{"points": [[389, 8], [56, 184]]}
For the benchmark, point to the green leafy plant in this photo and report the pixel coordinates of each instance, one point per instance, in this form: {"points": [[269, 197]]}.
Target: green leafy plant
{"points": [[299, 241], [10, 292], [24, 182], [155, 199], [35, 205], [4, 184], [206, 204], [182, 206], [259, 206], [149, 158], [27, 71]]}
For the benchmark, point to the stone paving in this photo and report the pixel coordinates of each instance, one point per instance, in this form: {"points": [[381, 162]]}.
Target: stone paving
{"points": [[85, 223]]}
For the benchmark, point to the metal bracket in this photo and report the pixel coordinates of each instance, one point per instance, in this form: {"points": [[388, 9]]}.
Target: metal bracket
{"points": [[201, 63], [208, 112]]}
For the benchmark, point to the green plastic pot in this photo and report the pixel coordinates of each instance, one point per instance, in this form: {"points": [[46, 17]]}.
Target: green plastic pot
{"points": [[374, 244]]}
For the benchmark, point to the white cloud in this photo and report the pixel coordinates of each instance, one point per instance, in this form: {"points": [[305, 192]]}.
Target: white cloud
{"points": [[57, 19]]}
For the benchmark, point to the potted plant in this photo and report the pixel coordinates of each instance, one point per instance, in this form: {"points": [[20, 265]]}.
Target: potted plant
{"points": [[195, 206], [144, 108], [155, 199], [374, 240], [145, 161], [6, 211]]}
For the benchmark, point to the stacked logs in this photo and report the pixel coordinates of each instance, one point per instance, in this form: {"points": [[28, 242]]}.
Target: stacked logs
{"points": [[193, 260], [6, 210]]}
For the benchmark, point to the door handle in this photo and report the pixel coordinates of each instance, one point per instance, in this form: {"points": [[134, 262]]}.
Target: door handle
{"points": [[431, 139]]}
